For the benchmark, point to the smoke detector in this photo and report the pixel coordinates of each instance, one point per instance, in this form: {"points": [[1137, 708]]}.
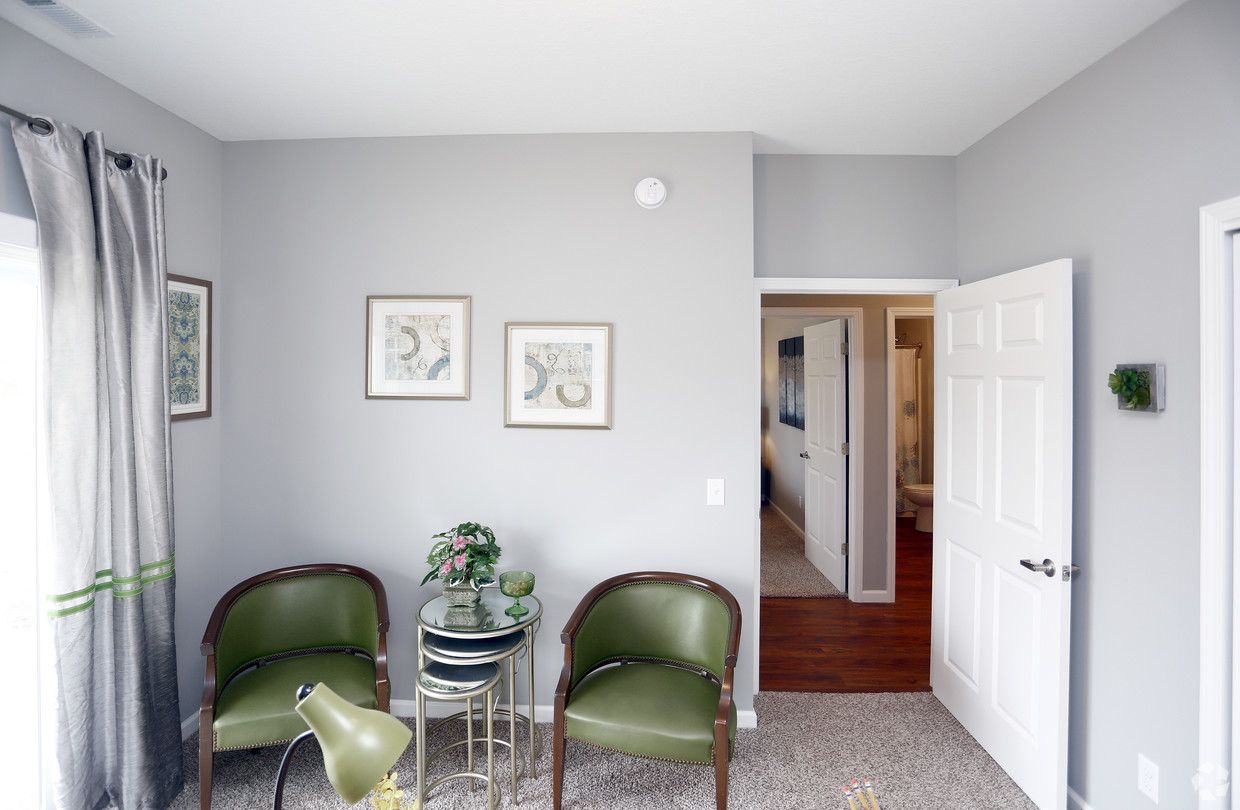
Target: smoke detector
{"points": [[69, 20]]}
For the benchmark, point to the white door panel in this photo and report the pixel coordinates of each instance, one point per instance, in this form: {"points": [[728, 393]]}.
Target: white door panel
{"points": [[826, 466], [1003, 482]]}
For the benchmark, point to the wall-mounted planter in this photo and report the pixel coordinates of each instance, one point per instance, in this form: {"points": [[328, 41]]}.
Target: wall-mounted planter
{"points": [[1139, 386]]}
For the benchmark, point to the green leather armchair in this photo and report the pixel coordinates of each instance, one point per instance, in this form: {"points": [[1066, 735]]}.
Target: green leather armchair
{"points": [[648, 662], [305, 624]]}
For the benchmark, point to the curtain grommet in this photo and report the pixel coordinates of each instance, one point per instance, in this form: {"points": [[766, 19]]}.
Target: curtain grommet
{"points": [[123, 162], [41, 126]]}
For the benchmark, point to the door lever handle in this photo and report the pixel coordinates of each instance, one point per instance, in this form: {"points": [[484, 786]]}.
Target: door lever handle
{"points": [[1046, 566], [804, 455]]}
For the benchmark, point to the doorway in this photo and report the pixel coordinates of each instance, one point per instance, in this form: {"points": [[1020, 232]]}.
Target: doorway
{"points": [[1002, 567], [861, 637]]}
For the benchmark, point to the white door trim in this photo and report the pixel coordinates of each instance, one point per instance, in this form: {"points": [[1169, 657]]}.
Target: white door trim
{"points": [[1217, 734], [855, 286], [824, 286], [892, 314], [854, 316]]}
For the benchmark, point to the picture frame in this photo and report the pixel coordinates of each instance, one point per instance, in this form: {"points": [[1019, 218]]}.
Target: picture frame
{"points": [[190, 330], [417, 346], [558, 375], [792, 382]]}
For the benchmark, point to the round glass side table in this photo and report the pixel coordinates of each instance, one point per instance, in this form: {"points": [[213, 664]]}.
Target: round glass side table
{"points": [[475, 635]]}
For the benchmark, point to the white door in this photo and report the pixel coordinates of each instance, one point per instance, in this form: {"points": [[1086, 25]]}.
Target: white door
{"points": [[1003, 519], [826, 480]]}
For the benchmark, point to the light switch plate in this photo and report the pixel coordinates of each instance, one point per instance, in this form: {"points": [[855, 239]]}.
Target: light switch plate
{"points": [[714, 492]]}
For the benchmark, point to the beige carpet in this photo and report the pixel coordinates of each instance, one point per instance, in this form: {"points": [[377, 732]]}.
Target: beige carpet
{"points": [[785, 571], [806, 747]]}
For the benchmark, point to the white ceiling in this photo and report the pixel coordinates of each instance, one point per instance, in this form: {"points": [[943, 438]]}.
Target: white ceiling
{"points": [[807, 76]]}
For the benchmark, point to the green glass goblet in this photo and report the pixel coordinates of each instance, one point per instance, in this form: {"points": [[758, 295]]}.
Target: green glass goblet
{"points": [[516, 584]]}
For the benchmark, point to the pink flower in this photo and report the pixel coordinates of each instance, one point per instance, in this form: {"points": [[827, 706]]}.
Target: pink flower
{"points": [[460, 543], [445, 569], [459, 561]]}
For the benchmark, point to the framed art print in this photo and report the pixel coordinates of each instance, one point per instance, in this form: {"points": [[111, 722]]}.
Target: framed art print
{"points": [[417, 347], [189, 346], [557, 375]]}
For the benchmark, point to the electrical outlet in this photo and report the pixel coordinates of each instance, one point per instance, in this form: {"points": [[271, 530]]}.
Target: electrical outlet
{"points": [[1147, 777], [714, 492]]}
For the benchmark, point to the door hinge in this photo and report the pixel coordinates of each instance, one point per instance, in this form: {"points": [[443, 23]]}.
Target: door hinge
{"points": [[844, 349], [1069, 571], [844, 448], [844, 549]]}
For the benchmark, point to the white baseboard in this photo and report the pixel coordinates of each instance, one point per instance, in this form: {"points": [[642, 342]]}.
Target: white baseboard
{"points": [[408, 708], [543, 713], [800, 532], [1075, 802]]}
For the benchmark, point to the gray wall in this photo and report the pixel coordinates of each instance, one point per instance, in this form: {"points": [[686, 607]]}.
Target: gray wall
{"points": [[1110, 171], [38, 79], [871, 349], [854, 215], [534, 228]]}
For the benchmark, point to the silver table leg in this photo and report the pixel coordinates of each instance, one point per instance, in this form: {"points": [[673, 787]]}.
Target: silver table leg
{"points": [[492, 788], [469, 738], [529, 640], [512, 723], [421, 743]]}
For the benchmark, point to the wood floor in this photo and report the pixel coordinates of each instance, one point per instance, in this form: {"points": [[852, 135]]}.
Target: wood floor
{"points": [[835, 645]]}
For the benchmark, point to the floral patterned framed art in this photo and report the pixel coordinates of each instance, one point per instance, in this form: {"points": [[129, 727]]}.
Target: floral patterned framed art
{"points": [[417, 347], [189, 346]]}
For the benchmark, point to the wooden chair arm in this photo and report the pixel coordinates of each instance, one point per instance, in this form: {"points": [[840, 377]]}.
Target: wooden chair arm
{"points": [[723, 714], [566, 676], [208, 688]]}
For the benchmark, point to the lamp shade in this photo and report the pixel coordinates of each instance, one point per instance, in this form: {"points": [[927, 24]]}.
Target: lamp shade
{"points": [[359, 745]]}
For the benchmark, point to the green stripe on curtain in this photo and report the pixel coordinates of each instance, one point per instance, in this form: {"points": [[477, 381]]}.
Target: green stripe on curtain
{"points": [[121, 587]]}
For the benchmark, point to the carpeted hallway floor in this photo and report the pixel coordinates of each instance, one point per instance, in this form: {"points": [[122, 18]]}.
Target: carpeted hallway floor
{"points": [[806, 747], [785, 571]]}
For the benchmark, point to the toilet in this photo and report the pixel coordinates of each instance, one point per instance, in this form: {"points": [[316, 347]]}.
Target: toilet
{"points": [[923, 496]]}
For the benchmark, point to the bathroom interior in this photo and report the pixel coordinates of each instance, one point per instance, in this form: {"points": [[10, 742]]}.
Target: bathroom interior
{"points": [[913, 413]]}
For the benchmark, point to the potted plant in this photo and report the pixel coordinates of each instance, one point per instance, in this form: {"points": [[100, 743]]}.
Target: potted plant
{"points": [[1132, 386], [463, 559]]}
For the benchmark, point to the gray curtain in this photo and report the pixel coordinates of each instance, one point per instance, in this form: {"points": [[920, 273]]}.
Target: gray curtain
{"points": [[106, 554]]}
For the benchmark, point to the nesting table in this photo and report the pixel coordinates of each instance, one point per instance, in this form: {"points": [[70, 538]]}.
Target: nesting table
{"points": [[469, 636]]}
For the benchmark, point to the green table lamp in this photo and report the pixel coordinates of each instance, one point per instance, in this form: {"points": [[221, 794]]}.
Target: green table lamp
{"points": [[359, 745]]}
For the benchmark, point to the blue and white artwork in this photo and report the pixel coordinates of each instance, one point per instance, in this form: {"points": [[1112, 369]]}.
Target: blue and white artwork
{"points": [[417, 347], [792, 382], [189, 346], [558, 375]]}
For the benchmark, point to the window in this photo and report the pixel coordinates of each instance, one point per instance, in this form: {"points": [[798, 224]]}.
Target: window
{"points": [[20, 616]]}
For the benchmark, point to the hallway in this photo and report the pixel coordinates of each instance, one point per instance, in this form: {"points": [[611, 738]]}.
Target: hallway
{"points": [[835, 645]]}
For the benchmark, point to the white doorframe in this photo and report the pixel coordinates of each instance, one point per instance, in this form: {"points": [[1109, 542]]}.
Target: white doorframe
{"points": [[854, 316], [892, 314], [1218, 742], [821, 286]]}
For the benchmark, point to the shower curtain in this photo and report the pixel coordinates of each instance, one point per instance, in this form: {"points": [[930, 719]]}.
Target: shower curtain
{"points": [[908, 425], [113, 731]]}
